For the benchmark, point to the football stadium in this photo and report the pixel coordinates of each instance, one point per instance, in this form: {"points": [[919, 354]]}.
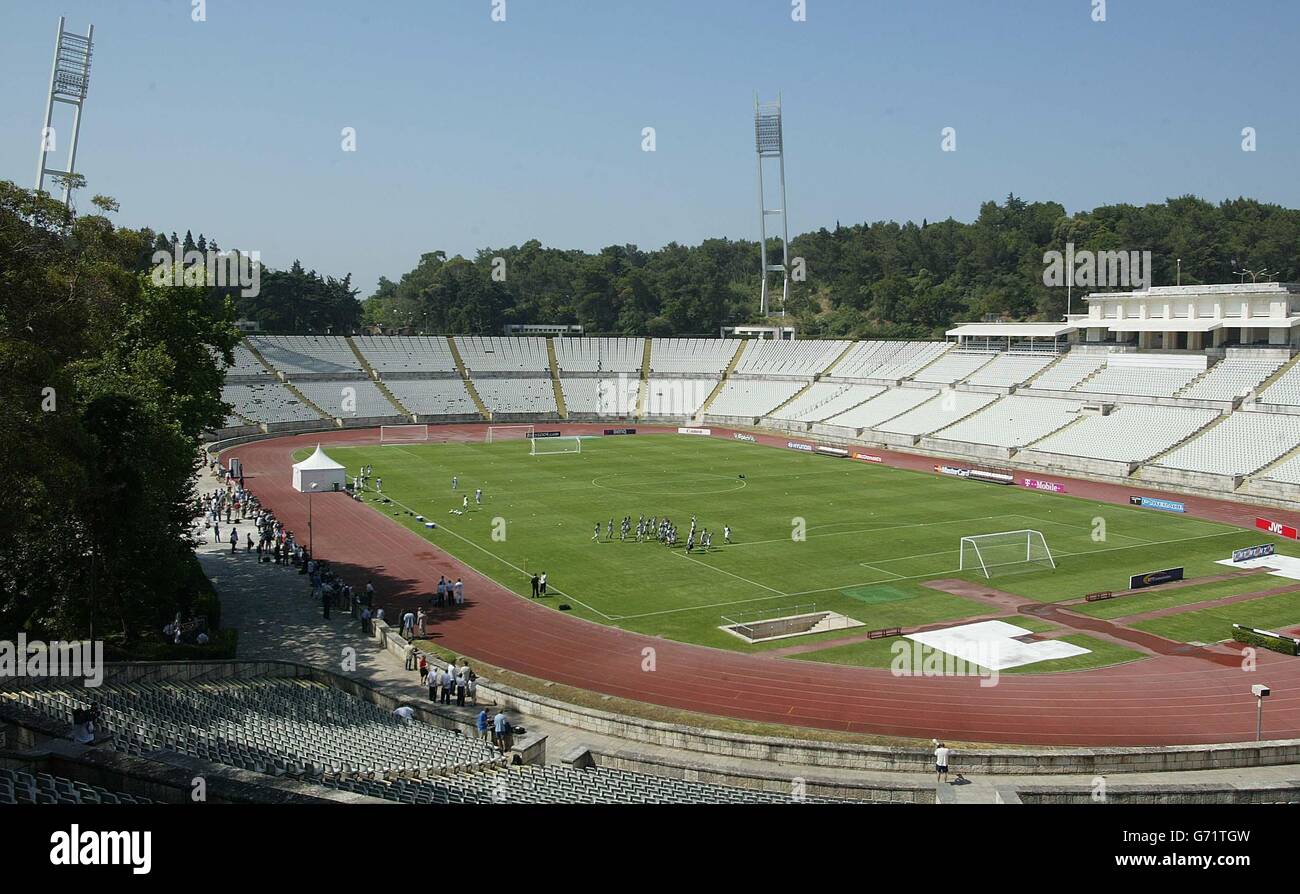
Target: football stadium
{"points": [[1000, 512]]}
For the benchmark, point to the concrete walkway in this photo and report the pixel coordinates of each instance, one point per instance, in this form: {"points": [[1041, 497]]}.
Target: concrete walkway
{"points": [[272, 608]]}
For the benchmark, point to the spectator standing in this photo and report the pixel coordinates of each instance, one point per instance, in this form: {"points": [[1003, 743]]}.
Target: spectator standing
{"points": [[536, 585], [542, 584], [942, 754], [459, 587], [481, 722]]}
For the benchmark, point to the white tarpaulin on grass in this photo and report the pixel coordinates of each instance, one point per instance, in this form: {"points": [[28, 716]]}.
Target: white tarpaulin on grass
{"points": [[992, 644], [1284, 566]]}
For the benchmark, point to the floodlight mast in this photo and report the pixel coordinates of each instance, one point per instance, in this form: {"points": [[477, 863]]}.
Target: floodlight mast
{"points": [[69, 80], [769, 142]]}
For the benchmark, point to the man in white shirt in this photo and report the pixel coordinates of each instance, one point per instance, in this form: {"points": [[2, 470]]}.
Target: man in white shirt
{"points": [[405, 712], [459, 589], [941, 755]]}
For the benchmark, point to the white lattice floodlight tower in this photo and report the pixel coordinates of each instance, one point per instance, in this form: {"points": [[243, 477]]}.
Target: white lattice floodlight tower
{"points": [[69, 80], [769, 141]]}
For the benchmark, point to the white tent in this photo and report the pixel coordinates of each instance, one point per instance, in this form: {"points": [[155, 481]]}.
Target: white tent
{"points": [[319, 470]]}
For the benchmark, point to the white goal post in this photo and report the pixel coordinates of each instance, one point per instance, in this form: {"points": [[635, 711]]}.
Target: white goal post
{"points": [[551, 446], [988, 553], [403, 434], [508, 433]]}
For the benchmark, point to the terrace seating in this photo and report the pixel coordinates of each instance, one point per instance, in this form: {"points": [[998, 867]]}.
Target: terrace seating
{"points": [[891, 360], [1233, 377], [883, 407], [433, 397], [246, 365], [270, 402], [1069, 371], [692, 356], [952, 367], [330, 396], [599, 355], [503, 354], [944, 409], [677, 397], [1148, 381], [19, 787], [276, 726], [407, 353], [1128, 434], [752, 397], [1287, 471], [1009, 369], [1014, 421], [789, 358], [535, 395], [307, 354], [1239, 445], [826, 399], [603, 396], [1286, 390]]}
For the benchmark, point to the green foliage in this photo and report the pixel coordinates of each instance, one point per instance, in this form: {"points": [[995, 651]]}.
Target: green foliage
{"points": [[1287, 646], [108, 382], [883, 279]]}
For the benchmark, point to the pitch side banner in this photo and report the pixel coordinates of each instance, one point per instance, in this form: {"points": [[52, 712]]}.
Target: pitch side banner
{"points": [[795, 445], [620, 431], [1154, 578], [952, 470], [694, 431], [544, 434], [869, 457], [750, 439], [1157, 503], [1253, 552], [1037, 484], [1277, 528]]}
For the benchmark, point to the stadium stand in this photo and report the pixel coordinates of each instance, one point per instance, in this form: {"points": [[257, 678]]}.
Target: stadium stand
{"points": [[1284, 391], [891, 360], [1239, 445], [19, 787], [1151, 381], [510, 395], [677, 397], [955, 366], [603, 396], [599, 355], [825, 399], [1069, 371], [1009, 369], [883, 407], [1287, 471], [406, 353], [433, 397], [270, 402], [944, 409], [503, 354], [307, 354], [1129, 434], [330, 397], [277, 726], [692, 356], [752, 397], [246, 365], [1014, 421], [1232, 378], [789, 358]]}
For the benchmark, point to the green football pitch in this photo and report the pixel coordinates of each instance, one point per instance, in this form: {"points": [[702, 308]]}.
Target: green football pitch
{"points": [[854, 538]]}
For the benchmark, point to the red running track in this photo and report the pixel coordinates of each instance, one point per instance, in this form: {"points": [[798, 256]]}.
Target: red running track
{"points": [[1157, 701]]}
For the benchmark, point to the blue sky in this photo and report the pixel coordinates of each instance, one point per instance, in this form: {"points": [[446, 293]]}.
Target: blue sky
{"points": [[474, 133]]}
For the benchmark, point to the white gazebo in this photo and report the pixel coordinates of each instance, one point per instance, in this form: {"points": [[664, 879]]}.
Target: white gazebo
{"points": [[318, 472]]}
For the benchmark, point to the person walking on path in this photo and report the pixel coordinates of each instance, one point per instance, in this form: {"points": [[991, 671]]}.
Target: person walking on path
{"points": [[234, 540]]}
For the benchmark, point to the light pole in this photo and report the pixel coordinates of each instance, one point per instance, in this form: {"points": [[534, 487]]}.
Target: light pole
{"points": [[1180, 271], [1261, 692], [311, 543]]}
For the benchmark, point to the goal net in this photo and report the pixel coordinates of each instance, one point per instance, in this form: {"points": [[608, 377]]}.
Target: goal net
{"points": [[508, 433], [547, 446], [1004, 552], [402, 434]]}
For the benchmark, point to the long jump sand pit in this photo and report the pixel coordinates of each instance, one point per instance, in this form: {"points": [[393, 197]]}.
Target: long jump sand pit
{"points": [[995, 645]]}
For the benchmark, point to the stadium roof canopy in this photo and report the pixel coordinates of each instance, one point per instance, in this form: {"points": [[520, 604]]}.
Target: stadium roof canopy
{"points": [[1012, 330]]}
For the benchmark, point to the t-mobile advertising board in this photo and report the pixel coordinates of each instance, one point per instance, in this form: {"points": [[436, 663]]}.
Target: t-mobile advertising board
{"points": [[1277, 528], [1037, 484]]}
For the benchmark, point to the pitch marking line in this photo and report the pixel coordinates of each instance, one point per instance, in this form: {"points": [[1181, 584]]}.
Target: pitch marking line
{"points": [[507, 563]]}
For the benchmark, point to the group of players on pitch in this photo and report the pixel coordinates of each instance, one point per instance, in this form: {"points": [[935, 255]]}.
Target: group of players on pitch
{"points": [[662, 530]]}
